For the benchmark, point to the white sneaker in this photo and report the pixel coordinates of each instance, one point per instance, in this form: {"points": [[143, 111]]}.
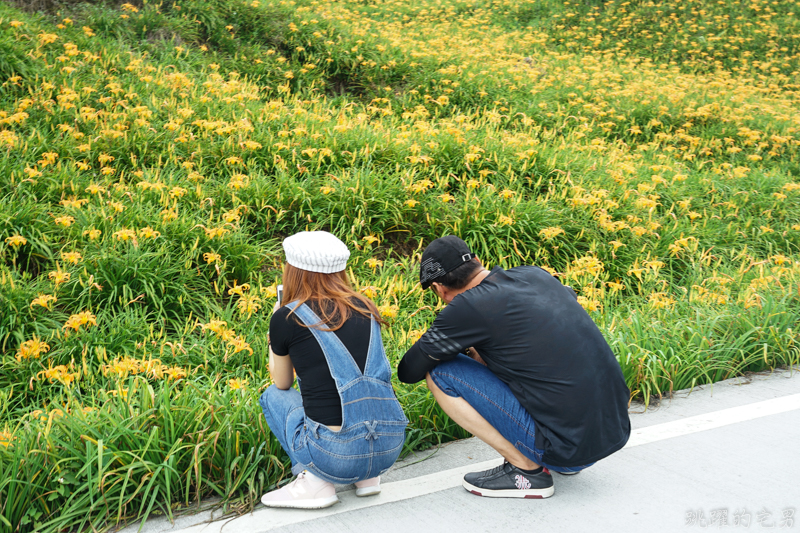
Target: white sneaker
{"points": [[368, 487], [307, 491]]}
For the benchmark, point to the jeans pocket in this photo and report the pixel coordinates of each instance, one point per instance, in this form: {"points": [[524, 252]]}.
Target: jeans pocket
{"points": [[341, 463], [298, 441]]}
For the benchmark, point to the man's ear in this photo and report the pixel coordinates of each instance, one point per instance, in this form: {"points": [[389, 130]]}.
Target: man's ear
{"points": [[442, 292], [438, 289]]}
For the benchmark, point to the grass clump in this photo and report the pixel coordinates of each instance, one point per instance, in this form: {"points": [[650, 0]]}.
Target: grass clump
{"points": [[153, 156]]}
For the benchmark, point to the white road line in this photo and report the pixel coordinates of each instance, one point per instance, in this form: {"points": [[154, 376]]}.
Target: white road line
{"points": [[695, 424], [265, 519]]}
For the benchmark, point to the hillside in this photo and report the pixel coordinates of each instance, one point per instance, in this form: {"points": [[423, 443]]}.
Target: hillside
{"points": [[153, 156]]}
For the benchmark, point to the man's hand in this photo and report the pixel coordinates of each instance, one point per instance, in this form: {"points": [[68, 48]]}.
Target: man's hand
{"points": [[473, 353]]}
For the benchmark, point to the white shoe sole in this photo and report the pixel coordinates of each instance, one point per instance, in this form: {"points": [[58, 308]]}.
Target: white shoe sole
{"points": [[509, 493], [368, 491], [316, 503]]}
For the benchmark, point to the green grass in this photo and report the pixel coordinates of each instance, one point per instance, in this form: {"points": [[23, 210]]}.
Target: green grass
{"points": [[172, 146]]}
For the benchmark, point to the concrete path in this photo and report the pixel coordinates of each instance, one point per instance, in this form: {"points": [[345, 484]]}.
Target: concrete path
{"points": [[724, 456]]}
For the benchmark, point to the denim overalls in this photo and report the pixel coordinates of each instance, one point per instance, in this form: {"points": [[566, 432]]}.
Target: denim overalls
{"points": [[373, 423]]}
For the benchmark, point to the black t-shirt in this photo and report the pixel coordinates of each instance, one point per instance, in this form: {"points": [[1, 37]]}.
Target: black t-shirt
{"points": [[534, 335], [288, 337]]}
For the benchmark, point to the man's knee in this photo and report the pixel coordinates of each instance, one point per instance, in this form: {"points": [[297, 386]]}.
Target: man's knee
{"points": [[431, 384], [441, 382]]}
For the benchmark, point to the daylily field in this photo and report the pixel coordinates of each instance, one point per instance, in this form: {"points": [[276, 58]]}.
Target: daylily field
{"points": [[154, 155]]}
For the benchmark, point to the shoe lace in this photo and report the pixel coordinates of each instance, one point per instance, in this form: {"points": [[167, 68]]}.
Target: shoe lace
{"points": [[497, 469], [508, 468], [296, 487]]}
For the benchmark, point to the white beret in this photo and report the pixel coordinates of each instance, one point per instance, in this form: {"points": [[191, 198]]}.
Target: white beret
{"points": [[316, 251]]}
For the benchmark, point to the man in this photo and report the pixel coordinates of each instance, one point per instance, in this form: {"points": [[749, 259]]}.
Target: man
{"points": [[541, 385]]}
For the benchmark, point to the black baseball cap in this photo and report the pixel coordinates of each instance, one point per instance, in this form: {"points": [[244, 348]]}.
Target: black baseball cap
{"points": [[443, 255]]}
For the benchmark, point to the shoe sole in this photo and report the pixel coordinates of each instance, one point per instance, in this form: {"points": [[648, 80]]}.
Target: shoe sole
{"points": [[368, 491], [567, 473], [535, 494], [318, 503]]}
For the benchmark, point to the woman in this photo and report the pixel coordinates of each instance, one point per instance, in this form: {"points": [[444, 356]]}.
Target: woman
{"points": [[345, 425]]}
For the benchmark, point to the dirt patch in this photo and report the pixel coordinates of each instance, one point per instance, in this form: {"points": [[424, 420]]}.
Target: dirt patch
{"points": [[164, 35], [342, 85], [52, 7]]}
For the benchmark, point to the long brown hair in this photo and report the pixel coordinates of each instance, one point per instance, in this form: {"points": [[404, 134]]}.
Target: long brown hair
{"points": [[335, 298]]}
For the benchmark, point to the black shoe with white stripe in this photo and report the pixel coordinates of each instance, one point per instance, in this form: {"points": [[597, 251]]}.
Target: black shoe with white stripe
{"points": [[508, 481]]}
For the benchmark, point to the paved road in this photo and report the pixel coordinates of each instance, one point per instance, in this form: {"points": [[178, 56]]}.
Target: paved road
{"points": [[725, 457]]}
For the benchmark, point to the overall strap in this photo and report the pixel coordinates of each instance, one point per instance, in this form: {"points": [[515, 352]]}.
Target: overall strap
{"points": [[377, 365], [341, 364]]}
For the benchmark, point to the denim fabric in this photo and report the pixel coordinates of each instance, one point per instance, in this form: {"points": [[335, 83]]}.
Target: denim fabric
{"points": [[465, 378], [373, 422]]}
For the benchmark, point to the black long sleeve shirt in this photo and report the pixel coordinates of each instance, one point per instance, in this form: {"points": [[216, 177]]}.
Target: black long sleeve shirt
{"points": [[534, 335]]}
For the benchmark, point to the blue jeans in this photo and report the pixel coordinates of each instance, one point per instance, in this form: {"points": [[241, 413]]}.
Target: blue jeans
{"points": [[336, 456], [373, 422], [482, 389]]}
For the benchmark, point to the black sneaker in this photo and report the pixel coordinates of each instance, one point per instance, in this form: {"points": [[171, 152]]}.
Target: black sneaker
{"points": [[508, 481]]}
